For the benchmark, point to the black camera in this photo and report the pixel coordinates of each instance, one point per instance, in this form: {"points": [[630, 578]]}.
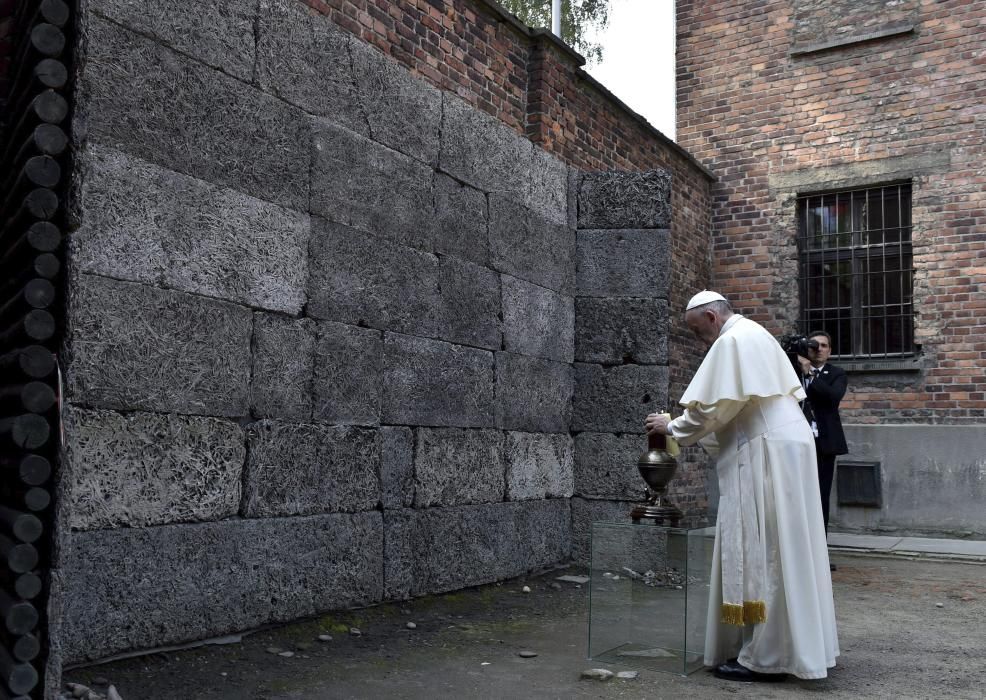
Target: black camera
{"points": [[798, 344]]}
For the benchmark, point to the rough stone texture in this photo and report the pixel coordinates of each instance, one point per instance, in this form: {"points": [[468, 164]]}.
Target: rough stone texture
{"points": [[624, 263], [366, 281], [618, 331], [548, 195], [158, 105], [539, 466], [140, 588], [456, 467], [617, 399], [362, 184], [471, 303], [526, 245], [428, 382], [403, 112], [348, 361], [198, 362], [462, 546], [283, 365], [147, 469], [144, 223], [532, 394], [584, 513], [462, 220], [396, 467], [299, 469], [399, 553], [304, 58], [606, 466], [625, 200], [537, 321], [218, 33], [479, 149]]}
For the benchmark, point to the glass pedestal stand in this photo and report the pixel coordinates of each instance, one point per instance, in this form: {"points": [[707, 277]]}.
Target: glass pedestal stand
{"points": [[649, 594]]}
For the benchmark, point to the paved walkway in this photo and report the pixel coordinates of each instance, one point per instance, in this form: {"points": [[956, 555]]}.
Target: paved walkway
{"points": [[962, 550]]}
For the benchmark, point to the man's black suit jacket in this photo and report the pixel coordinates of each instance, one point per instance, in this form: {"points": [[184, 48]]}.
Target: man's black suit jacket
{"points": [[824, 394]]}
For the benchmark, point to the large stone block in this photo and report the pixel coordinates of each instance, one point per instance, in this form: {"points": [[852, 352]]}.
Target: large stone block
{"points": [[539, 466], [403, 112], [624, 263], [548, 194], [299, 469], [532, 394], [156, 104], [141, 588], [348, 361], [617, 399], [359, 183], [396, 466], [283, 366], [366, 281], [304, 58], [399, 553], [454, 467], [136, 347], [428, 382], [146, 469], [464, 546], [462, 220], [471, 302], [537, 321], [144, 223], [526, 245], [218, 33], [483, 151], [606, 466], [620, 330], [584, 514], [625, 200]]}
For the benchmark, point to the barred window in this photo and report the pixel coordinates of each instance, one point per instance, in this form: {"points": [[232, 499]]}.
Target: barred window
{"points": [[856, 270]]}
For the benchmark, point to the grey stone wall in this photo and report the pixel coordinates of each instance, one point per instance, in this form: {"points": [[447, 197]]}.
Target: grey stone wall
{"points": [[333, 335]]}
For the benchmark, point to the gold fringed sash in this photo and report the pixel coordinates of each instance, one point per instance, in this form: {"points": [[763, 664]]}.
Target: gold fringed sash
{"points": [[750, 612]]}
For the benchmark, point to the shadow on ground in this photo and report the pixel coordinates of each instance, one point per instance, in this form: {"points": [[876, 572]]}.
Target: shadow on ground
{"points": [[908, 629]]}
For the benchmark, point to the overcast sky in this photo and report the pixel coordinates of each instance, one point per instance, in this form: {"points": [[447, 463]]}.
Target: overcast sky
{"points": [[638, 58]]}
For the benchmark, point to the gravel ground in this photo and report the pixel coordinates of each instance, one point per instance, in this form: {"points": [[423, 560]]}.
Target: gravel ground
{"points": [[908, 629]]}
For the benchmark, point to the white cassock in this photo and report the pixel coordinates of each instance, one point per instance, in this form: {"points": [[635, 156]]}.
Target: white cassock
{"points": [[770, 602]]}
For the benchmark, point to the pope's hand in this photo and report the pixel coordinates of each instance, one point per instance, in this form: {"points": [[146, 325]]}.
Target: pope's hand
{"points": [[656, 424]]}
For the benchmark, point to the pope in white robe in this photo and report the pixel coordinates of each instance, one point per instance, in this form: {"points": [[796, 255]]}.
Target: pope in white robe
{"points": [[770, 603]]}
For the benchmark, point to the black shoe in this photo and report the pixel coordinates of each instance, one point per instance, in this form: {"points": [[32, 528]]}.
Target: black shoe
{"points": [[733, 671]]}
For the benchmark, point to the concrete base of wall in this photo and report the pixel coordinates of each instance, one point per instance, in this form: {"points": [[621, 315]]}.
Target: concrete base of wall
{"points": [[933, 479]]}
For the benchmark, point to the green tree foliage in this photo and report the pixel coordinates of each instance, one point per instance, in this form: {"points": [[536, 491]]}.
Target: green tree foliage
{"points": [[577, 18]]}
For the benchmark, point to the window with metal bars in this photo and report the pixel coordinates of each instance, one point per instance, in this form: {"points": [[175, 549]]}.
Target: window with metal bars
{"points": [[856, 270]]}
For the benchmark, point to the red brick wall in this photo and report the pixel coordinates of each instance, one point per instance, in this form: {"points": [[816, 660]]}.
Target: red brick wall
{"points": [[536, 86], [753, 113]]}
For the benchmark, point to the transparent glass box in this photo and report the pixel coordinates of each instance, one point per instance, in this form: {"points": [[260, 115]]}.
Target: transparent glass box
{"points": [[649, 594]]}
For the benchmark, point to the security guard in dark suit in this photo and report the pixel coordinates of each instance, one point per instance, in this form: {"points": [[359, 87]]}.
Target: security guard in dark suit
{"points": [[825, 385]]}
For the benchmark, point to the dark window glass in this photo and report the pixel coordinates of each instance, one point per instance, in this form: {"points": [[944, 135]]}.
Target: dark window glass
{"points": [[856, 270]]}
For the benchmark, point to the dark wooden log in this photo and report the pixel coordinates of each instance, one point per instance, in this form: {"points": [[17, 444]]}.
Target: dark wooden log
{"points": [[33, 397], [40, 237], [46, 266], [25, 527], [48, 73], [26, 648], [46, 139], [20, 677], [19, 616], [21, 211], [33, 361], [35, 327], [51, 73], [37, 499], [47, 106], [37, 171], [20, 558], [47, 40], [30, 469], [28, 586], [36, 294], [26, 432], [54, 11]]}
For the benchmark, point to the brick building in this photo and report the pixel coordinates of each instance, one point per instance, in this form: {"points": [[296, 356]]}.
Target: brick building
{"points": [[847, 137]]}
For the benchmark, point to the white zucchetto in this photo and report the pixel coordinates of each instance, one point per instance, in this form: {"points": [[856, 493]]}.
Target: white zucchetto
{"points": [[702, 298]]}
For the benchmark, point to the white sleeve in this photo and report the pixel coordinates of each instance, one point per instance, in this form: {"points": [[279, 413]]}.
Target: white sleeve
{"points": [[699, 420]]}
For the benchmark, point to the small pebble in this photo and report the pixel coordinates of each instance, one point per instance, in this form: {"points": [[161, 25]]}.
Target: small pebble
{"points": [[355, 631], [99, 680], [526, 589], [303, 646], [939, 605], [111, 693], [325, 637], [597, 674], [485, 663], [412, 626], [274, 650], [224, 674], [286, 654], [627, 675], [555, 586], [527, 654]]}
